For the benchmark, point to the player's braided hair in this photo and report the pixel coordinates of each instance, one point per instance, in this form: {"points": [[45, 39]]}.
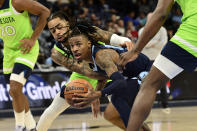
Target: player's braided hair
{"points": [[83, 27]]}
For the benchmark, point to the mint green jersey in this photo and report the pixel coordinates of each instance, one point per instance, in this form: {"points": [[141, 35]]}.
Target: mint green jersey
{"points": [[186, 36], [15, 26]]}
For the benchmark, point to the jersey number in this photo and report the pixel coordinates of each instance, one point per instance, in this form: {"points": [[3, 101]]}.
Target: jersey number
{"points": [[9, 30]]}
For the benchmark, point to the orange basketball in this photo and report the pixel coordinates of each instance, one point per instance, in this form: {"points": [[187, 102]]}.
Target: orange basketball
{"points": [[76, 86]]}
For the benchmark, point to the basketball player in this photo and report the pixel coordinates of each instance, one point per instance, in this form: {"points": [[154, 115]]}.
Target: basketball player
{"points": [[20, 51], [59, 26], [179, 54], [103, 59]]}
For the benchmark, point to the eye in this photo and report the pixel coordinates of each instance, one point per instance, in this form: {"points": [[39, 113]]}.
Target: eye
{"points": [[59, 27], [78, 44], [52, 30], [71, 45]]}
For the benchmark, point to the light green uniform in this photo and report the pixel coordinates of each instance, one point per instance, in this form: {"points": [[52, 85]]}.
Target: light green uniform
{"points": [[75, 75], [186, 36], [14, 27]]}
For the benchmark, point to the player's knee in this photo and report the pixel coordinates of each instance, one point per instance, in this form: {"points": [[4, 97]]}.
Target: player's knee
{"points": [[15, 89]]}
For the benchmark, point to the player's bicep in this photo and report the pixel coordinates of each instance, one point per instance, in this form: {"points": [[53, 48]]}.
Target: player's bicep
{"points": [[106, 62]]}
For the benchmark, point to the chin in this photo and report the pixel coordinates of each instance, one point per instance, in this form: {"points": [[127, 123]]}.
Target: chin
{"points": [[79, 60]]}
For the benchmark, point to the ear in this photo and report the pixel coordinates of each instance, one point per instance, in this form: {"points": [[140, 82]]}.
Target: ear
{"points": [[89, 44]]}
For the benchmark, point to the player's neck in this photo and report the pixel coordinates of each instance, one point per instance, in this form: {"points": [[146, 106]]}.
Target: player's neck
{"points": [[1, 3], [89, 59]]}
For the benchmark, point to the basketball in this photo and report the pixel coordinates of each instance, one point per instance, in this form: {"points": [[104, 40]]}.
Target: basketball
{"points": [[76, 86]]}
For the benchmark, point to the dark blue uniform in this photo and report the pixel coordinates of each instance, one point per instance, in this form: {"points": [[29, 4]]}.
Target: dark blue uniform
{"points": [[123, 99]]}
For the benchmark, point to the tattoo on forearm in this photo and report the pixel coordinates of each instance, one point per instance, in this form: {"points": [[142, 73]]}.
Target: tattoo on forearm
{"points": [[102, 35], [73, 65], [101, 84]]}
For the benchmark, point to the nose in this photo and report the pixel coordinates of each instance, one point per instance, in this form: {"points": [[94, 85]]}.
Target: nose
{"points": [[75, 49], [57, 32]]}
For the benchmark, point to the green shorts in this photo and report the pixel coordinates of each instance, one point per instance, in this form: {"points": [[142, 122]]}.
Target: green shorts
{"points": [[12, 56]]}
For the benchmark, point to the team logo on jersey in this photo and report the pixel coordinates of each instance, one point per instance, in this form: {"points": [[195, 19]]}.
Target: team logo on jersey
{"points": [[7, 20]]}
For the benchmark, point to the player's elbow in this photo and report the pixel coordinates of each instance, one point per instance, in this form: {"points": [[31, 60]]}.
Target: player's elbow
{"points": [[45, 12], [123, 83], [55, 56]]}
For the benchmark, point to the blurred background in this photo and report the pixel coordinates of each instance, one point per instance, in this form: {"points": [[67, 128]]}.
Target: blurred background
{"points": [[123, 17]]}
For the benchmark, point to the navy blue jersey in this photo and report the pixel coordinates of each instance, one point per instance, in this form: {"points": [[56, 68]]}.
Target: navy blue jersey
{"points": [[133, 68]]}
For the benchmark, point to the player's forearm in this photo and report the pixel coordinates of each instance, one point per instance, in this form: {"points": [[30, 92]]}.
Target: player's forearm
{"points": [[73, 65], [44, 14], [109, 37], [102, 35], [85, 70], [154, 24], [118, 83], [101, 84]]}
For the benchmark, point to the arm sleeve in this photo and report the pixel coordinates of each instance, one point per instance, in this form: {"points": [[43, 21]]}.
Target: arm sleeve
{"points": [[118, 83], [117, 40]]}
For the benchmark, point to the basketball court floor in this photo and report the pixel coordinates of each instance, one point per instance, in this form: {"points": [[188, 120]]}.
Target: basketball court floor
{"points": [[180, 119]]}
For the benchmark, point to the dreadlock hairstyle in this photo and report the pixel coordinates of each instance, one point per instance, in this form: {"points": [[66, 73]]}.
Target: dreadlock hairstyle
{"points": [[83, 27]]}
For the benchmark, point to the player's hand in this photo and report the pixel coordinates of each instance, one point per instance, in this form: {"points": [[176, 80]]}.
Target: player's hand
{"points": [[82, 100], [127, 57], [128, 45], [96, 108], [26, 45]]}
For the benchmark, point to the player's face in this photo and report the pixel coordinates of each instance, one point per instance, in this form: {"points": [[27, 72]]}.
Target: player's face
{"points": [[59, 29], [80, 47]]}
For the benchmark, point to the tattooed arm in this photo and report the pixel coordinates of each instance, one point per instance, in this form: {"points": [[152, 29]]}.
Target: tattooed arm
{"points": [[106, 60], [111, 38], [101, 84], [73, 65], [102, 35]]}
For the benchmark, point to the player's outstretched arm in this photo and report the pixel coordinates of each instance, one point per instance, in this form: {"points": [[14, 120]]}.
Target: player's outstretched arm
{"points": [[73, 65], [151, 28], [110, 38]]}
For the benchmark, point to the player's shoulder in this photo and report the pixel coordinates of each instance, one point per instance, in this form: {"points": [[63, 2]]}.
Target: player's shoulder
{"points": [[17, 2]]}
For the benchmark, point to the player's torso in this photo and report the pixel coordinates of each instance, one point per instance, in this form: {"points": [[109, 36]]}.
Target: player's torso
{"points": [[14, 26]]}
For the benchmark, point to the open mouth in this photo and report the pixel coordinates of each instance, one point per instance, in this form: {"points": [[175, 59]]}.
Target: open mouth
{"points": [[77, 56], [60, 38]]}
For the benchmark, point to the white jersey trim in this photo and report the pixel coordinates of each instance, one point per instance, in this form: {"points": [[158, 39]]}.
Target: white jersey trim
{"points": [[169, 68], [6, 14], [7, 69], [185, 43], [25, 60]]}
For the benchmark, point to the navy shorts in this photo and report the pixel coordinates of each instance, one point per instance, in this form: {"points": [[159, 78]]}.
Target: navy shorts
{"points": [[123, 101], [174, 59], [179, 56], [18, 68]]}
